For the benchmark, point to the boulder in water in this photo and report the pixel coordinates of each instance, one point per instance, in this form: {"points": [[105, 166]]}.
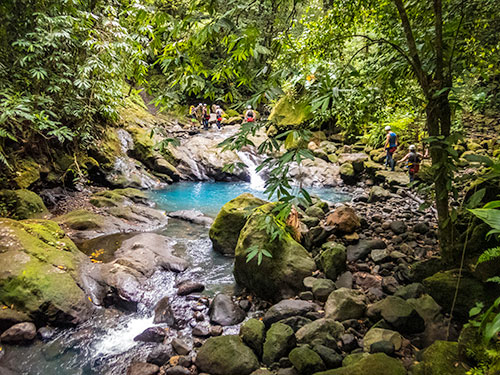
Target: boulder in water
{"points": [[275, 278], [231, 219], [187, 287], [164, 313], [225, 312], [152, 334], [226, 355], [143, 368], [21, 333]]}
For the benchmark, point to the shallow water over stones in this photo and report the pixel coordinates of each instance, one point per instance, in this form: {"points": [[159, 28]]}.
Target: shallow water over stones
{"points": [[105, 343]]}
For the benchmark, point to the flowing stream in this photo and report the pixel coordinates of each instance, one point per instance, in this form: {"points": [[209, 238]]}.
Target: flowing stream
{"points": [[105, 344]]}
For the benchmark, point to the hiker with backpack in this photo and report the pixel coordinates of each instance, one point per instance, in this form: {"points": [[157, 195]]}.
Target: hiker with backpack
{"points": [[250, 114], [218, 114], [413, 160]]}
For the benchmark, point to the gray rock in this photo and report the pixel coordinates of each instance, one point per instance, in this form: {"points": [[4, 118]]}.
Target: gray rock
{"points": [[177, 370], [224, 312], [413, 290], [398, 227], [180, 346], [426, 307], [398, 313], [193, 216], [164, 312], [296, 322], [287, 308], [322, 289], [321, 332], [187, 287], [343, 304], [378, 194], [344, 280], [142, 368], [379, 256], [421, 228], [329, 356], [378, 335], [363, 248], [280, 339], [152, 334], [160, 355], [386, 347], [309, 281], [21, 333]]}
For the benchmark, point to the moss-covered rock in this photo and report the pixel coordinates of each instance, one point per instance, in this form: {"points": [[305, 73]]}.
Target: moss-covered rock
{"points": [[39, 272], [27, 172], [332, 259], [81, 220], [290, 112], [117, 197], [226, 355], [275, 278], [252, 333], [107, 148], [441, 286], [306, 361], [320, 332], [347, 173], [280, 340], [345, 303], [231, 219], [373, 364], [21, 204], [398, 313], [439, 358]]}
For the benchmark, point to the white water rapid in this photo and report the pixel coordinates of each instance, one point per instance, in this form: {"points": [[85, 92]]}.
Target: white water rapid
{"points": [[252, 162]]}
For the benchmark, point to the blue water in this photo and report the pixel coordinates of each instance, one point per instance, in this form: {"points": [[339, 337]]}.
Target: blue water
{"points": [[209, 197]]}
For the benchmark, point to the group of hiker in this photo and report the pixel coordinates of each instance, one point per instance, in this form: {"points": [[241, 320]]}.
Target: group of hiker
{"points": [[412, 158], [202, 112]]}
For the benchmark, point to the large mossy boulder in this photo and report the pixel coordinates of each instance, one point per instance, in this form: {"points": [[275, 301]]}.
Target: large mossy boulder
{"points": [[439, 358], [280, 340], [442, 285], [252, 333], [226, 355], [21, 204], [373, 364], [275, 278], [398, 313], [231, 219], [27, 172], [39, 272]]}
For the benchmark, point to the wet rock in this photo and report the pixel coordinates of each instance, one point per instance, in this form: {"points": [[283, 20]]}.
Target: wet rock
{"points": [[252, 333], [187, 287], [226, 355], [223, 311], [332, 259], [200, 331], [398, 227], [306, 361], [177, 370], [343, 304], [344, 280], [275, 278], [287, 308], [322, 289], [160, 355], [344, 219], [330, 357], [152, 334], [279, 341], [230, 221], [216, 330], [389, 284], [379, 256], [181, 347], [376, 336], [143, 368], [321, 332], [386, 347], [245, 304], [193, 216], [21, 333], [347, 173], [46, 333], [367, 281], [398, 313], [309, 281], [349, 342], [164, 312]]}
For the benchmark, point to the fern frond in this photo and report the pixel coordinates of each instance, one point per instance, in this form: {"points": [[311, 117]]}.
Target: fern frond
{"points": [[489, 254]]}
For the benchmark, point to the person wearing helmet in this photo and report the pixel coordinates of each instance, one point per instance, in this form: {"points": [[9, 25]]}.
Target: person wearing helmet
{"points": [[412, 159], [391, 144], [205, 116], [218, 114], [250, 114]]}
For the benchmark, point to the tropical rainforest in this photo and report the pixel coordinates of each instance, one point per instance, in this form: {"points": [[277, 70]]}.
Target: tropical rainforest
{"points": [[250, 187]]}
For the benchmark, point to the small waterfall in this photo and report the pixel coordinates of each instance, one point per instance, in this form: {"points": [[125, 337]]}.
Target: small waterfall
{"points": [[252, 162]]}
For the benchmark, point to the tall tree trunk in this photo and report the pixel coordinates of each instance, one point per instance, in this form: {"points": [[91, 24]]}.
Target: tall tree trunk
{"points": [[438, 120]]}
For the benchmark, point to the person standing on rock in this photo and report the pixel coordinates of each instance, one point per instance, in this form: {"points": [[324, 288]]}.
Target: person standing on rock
{"points": [[250, 114], [413, 159], [206, 116], [391, 144], [218, 114]]}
